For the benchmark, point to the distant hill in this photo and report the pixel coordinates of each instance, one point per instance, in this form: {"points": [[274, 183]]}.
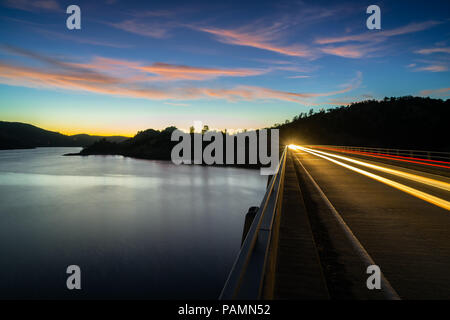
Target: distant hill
{"points": [[17, 135], [403, 123], [153, 145], [148, 144]]}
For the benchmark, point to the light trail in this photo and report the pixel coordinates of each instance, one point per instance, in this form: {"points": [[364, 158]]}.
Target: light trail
{"points": [[380, 154], [392, 157], [414, 192], [428, 181]]}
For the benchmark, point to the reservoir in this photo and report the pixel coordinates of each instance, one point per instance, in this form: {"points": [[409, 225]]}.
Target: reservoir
{"points": [[137, 228]]}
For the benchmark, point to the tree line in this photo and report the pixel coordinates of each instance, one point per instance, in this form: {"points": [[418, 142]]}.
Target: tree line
{"points": [[404, 123]]}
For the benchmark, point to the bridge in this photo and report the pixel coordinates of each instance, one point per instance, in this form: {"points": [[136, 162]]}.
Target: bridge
{"points": [[330, 212]]}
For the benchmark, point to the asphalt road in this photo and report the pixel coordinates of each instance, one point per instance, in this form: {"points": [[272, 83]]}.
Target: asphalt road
{"points": [[407, 237]]}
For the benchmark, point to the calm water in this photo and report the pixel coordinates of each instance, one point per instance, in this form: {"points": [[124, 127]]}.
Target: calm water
{"points": [[136, 228]]}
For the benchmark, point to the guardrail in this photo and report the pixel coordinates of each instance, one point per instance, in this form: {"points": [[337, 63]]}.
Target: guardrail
{"points": [[422, 154], [246, 278]]}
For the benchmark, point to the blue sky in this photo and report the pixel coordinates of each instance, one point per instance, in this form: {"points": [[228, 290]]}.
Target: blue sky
{"points": [[137, 65]]}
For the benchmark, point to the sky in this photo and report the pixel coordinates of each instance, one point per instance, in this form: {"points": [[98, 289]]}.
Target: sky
{"points": [[135, 65]]}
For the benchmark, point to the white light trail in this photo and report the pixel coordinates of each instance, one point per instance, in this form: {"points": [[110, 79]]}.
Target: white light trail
{"points": [[419, 194]]}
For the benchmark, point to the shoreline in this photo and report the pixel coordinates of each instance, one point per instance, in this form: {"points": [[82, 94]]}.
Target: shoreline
{"points": [[241, 166]]}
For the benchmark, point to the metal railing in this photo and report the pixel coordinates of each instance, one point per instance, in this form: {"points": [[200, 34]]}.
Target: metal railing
{"points": [[246, 278], [423, 154]]}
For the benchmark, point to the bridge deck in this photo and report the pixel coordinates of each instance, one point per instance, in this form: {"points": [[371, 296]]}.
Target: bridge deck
{"points": [[406, 236]]}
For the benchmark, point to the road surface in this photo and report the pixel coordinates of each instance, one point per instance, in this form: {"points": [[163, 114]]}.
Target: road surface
{"points": [[400, 216]]}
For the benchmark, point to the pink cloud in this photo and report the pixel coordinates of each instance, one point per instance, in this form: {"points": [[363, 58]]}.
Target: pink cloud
{"points": [[433, 68], [263, 39], [88, 82], [124, 78], [379, 35], [160, 71], [439, 92], [181, 72], [345, 51]]}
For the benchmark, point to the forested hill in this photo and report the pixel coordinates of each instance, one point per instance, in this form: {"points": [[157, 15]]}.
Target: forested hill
{"points": [[404, 123], [147, 144], [17, 135]]}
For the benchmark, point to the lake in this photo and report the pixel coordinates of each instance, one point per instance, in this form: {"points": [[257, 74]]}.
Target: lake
{"points": [[137, 228]]}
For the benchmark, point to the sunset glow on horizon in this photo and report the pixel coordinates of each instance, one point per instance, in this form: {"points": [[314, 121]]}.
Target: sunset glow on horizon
{"points": [[135, 65]]}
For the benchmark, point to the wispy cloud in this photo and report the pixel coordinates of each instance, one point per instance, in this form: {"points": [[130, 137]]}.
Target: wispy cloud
{"points": [[433, 50], [37, 78], [437, 92], [102, 78], [182, 72], [160, 71], [429, 65], [299, 77], [263, 38], [360, 45], [433, 68], [271, 33], [349, 51], [379, 35], [33, 5], [152, 30], [270, 38]]}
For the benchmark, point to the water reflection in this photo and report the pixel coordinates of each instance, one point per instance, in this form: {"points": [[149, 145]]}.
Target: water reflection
{"points": [[137, 229]]}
